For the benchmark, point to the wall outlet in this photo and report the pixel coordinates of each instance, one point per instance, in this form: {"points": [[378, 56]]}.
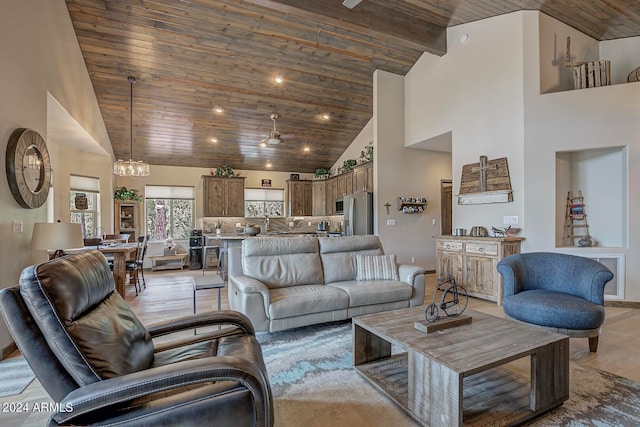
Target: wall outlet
{"points": [[290, 223], [413, 260], [309, 223], [510, 220], [391, 222], [433, 221], [238, 224]]}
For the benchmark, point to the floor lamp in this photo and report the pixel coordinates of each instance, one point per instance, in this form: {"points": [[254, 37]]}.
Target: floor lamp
{"points": [[56, 236]]}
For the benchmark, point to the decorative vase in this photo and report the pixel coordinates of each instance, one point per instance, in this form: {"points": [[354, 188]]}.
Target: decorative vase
{"points": [[218, 231]]}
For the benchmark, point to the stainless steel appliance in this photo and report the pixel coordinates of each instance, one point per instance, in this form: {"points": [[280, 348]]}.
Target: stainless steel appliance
{"points": [[195, 250], [358, 214], [339, 207]]}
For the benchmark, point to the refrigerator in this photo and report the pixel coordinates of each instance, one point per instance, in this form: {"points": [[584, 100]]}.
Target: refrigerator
{"points": [[358, 214]]}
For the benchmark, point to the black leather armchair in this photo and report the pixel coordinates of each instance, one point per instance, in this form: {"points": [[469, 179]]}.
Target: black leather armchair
{"points": [[94, 357]]}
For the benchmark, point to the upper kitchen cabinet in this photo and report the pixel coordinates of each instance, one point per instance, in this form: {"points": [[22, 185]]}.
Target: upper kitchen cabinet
{"points": [[300, 197], [223, 196], [345, 184], [319, 195], [363, 177]]}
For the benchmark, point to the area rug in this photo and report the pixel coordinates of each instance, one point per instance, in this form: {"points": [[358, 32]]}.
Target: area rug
{"points": [[314, 384], [15, 376]]}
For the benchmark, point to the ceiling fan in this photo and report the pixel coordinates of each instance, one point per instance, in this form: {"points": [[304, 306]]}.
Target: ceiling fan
{"points": [[351, 3], [274, 136]]}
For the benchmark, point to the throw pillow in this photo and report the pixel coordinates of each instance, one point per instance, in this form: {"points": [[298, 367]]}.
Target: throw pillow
{"points": [[376, 267]]}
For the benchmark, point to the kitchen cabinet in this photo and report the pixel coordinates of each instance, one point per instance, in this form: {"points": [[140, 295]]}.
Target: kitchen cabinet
{"points": [[128, 219], [472, 262], [331, 192], [344, 184], [300, 197], [363, 177], [223, 196], [319, 195]]}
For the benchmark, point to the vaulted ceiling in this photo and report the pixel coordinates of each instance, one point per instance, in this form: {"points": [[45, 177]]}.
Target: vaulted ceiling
{"points": [[190, 56]]}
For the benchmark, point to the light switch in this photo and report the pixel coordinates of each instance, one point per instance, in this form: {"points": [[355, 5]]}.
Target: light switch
{"points": [[17, 226]]}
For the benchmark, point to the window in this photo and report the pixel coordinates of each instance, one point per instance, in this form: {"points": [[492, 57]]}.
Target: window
{"points": [[261, 202], [85, 204], [169, 211]]}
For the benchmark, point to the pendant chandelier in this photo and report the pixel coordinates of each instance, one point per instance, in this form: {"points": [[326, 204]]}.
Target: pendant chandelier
{"points": [[131, 167]]}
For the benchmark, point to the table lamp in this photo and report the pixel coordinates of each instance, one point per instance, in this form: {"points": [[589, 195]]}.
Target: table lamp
{"points": [[56, 236]]}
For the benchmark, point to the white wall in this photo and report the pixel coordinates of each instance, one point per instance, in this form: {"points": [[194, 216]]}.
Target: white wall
{"points": [[40, 56], [624, 55], [574, 120], [354, 150], [474, 92], [402, 171]]}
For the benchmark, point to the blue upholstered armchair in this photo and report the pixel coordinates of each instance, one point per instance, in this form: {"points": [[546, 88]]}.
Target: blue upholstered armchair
{"points": [[560, 292]]}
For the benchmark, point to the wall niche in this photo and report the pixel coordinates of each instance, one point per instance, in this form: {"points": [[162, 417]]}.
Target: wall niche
{"points": [[601, 174]]}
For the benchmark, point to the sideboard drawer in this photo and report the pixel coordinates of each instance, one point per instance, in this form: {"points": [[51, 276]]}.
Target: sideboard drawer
{"points": [[482, 248], [450, 246]]}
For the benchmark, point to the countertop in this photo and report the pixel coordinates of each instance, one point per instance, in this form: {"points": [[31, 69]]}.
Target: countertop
{"points": [[487, 238], [234, 236]]}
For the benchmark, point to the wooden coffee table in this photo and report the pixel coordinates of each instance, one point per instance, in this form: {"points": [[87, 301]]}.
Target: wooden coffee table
{"points": [[457, 375]]}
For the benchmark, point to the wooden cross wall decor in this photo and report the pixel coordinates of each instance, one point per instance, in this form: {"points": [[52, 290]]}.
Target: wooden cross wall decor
{"points": [[487, 181], [482, 170]]}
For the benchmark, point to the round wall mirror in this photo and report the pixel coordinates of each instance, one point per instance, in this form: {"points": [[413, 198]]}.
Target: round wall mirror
{"points": [[28, 168], [33, 168]]}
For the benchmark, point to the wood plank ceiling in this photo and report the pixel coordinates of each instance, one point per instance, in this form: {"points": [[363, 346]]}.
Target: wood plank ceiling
{"points": [[190, 56]]}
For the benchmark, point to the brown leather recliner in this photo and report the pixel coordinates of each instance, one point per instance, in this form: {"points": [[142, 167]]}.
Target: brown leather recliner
{"points": [[94, 357]]}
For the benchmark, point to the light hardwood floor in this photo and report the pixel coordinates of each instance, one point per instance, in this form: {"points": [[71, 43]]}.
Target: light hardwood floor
{"points": [[617, 350], [169, 294]]}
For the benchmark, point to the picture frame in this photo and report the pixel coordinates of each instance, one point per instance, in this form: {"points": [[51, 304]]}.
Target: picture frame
{"points": [[294, 176], [266, 183]]}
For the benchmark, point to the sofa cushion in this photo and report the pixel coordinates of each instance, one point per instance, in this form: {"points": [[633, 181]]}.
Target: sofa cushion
{"points": [[376, 267], [373, 291], [92, 330], [305, 299], [554, 309], [339, 255], [282, 261]]}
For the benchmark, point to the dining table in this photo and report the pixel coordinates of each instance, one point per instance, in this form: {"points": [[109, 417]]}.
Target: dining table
{"points": [[121, 252]]}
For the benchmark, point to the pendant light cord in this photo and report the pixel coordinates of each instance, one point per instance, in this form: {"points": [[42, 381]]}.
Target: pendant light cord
{"points": [[132, 80]]}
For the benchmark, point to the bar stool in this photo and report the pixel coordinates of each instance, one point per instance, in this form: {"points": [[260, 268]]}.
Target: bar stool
{"points": [[208, 249]]}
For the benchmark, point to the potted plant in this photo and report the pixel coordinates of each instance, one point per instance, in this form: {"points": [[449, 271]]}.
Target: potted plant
{"points": [[224, 170], [321, 173], [366, 155], [125, 194], [348, 165], [218, 226]]}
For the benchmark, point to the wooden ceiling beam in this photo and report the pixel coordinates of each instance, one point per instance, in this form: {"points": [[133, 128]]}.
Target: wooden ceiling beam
{"points": [[371, 20]]}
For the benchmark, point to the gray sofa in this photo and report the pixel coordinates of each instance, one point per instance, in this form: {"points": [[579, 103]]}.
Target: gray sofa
{"points": [[284, 282]]}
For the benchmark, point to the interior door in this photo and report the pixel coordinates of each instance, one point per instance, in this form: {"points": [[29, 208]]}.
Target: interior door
{"points": [[446, 206]]}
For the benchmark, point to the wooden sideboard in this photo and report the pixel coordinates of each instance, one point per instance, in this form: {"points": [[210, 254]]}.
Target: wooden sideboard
{"points": [[472, 261]]}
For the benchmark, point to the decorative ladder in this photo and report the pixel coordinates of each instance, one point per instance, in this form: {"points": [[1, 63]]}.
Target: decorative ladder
{"points": [[576, 219]]}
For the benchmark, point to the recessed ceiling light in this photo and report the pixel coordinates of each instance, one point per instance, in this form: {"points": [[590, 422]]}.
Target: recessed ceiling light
{"points": [[263, 144], [269, 164], [278, 79], [306, 149], [325, 116], [218, 109], [214, 140]]}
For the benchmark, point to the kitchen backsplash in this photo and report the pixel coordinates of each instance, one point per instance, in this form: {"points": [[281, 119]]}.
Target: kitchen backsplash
{"points": [[295, 224]]}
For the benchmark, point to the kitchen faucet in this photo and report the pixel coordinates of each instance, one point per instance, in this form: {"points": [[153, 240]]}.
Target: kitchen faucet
{"points": [[266, 223]]}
